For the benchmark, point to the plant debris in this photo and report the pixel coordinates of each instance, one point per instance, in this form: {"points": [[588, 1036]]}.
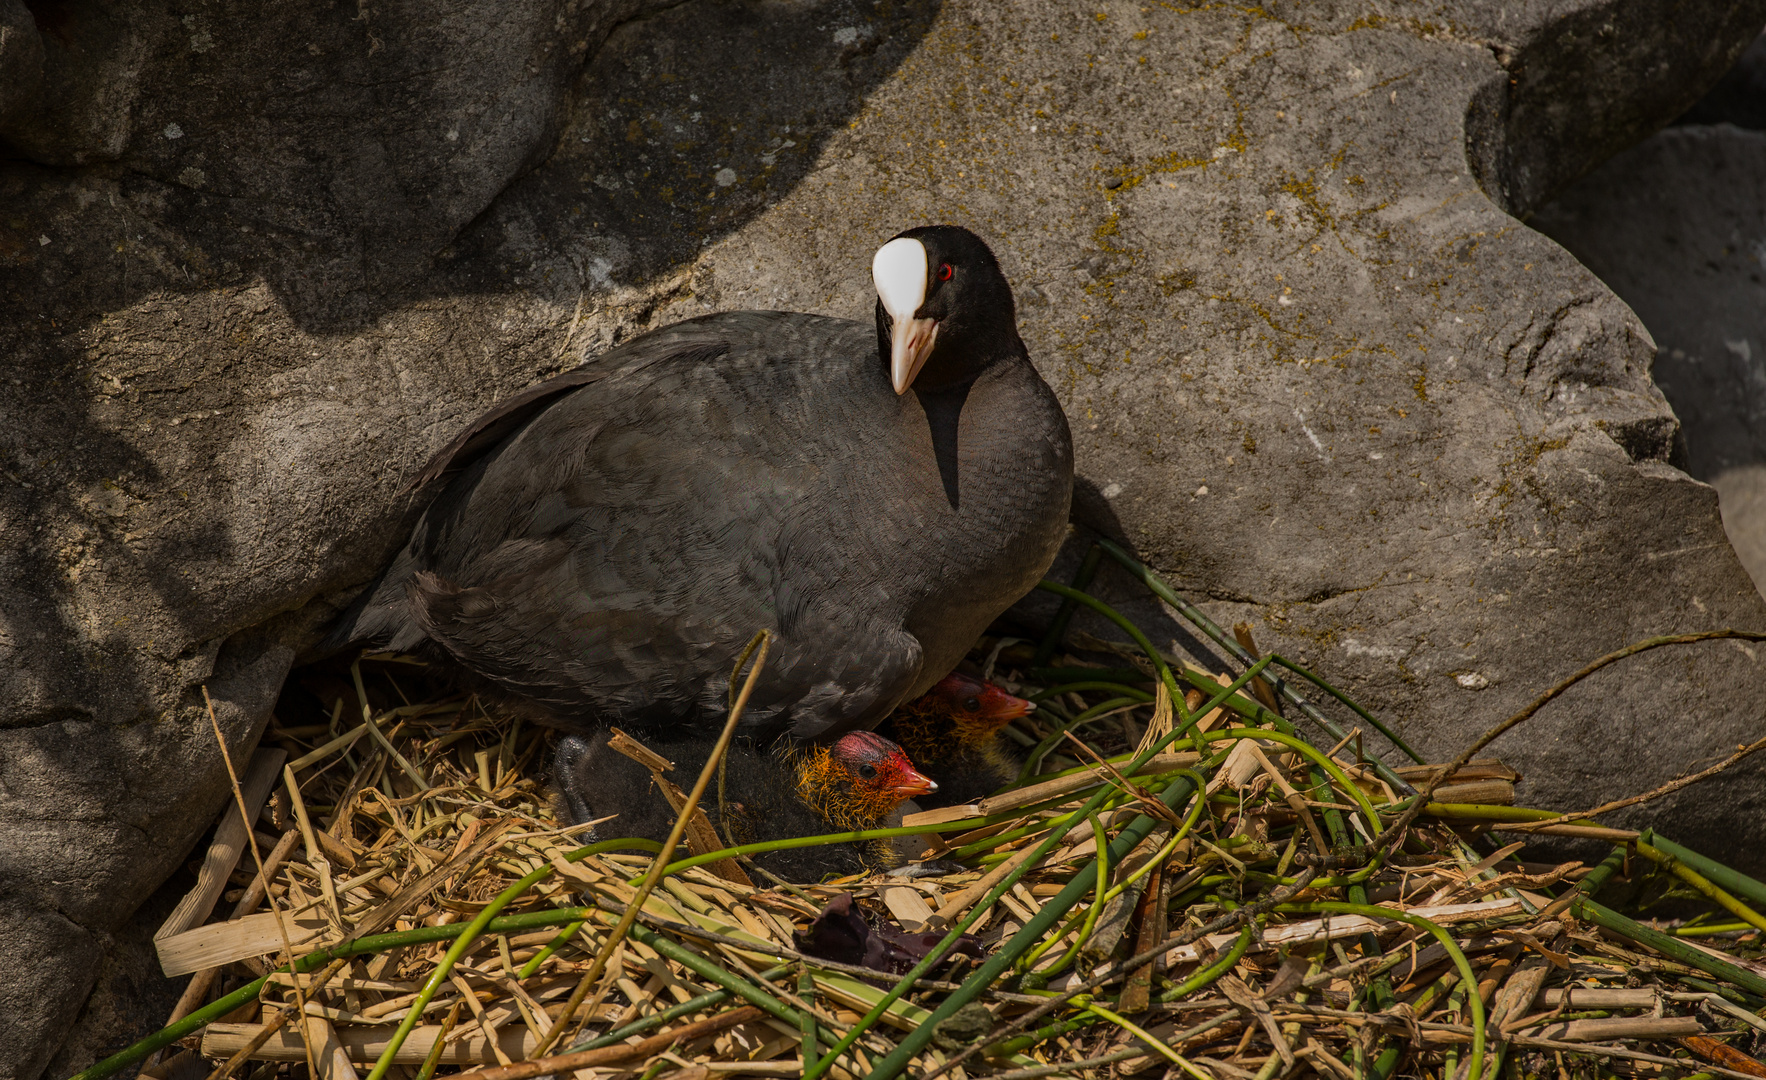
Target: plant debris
{"points": [[842, 934], [1184, 882]]}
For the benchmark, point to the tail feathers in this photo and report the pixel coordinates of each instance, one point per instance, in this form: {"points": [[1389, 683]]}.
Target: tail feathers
{"points": [[381, 615], [471, 624]]}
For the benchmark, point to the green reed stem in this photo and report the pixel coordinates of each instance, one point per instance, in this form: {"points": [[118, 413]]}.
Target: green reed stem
{"points": [[1081, 687], [1196, 616], [806, 992], [1473, 1001], [1082, 579], [657, 1019], [1583, 907], [1133, 631], [547, 953], [1350, 704], [1701, 883], [313, 961], [1199, 980], [1196, 810], [1033, 931], [1092, 913], [711, 972], [473, 930], [1732, 881], [1313, 754], [1033, 760], [938, 952]]}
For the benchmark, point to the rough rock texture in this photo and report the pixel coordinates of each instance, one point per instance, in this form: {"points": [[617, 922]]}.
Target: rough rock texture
{"points": [[256, 264], [128, 992], [21, 60], [1677, 227], [1739, 97]]}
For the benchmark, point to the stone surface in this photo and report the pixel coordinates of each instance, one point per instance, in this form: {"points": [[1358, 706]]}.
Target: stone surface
{"points": [[347, 140], [21, 61], [1317, 375], [1677, 226], [1739, 97], [129, 995]]}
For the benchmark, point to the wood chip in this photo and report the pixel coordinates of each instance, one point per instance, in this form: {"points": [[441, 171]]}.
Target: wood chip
{"points": [[908, 906], [254, 935], [364, 1045], [1620, 1027], [329, 1055], [229, 845]]}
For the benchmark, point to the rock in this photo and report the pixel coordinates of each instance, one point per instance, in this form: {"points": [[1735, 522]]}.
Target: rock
{"points": [[21, 60], [1739, 97], [963, 1028], [248, 282], [96, 814], [1677, 227], [129, 995], [1561, 112], [348, 141]]}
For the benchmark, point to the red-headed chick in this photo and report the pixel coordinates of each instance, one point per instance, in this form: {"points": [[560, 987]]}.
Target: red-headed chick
{"points": [[952, 733], [857, 782]]}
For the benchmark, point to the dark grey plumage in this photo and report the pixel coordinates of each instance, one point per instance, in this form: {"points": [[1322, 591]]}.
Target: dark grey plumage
{"points": [[610, 540]]}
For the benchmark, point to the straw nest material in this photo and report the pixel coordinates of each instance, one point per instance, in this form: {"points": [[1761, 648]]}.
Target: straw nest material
{"points": [[1311, 913]]}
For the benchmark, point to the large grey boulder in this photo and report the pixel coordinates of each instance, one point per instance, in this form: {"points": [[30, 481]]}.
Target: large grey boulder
{"points": [[1677, 226], [1318, 374], [1738, 98], [21, 60], [203, 210]]}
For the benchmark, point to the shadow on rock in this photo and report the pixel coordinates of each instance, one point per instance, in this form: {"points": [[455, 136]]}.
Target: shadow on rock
{"points": [[334, 156], [245, 252]]}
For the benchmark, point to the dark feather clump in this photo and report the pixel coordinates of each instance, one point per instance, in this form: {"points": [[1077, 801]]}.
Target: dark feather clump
{"points": [[842, 934]]}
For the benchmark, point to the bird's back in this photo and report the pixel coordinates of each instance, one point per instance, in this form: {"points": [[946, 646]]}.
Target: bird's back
{"points": [[609, 557]]}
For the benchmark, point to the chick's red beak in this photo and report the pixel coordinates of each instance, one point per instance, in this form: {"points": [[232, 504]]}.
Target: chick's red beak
{"points": [[907, 782], [980, 703], [1003, 708]]}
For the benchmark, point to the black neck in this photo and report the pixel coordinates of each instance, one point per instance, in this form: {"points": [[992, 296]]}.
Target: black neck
{"points": [[944, 412], [960, 360]]}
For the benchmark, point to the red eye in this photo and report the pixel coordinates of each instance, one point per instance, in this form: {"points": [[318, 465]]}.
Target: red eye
{"points": [[944, 272]]}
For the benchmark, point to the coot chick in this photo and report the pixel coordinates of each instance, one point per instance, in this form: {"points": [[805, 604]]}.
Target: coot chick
{"points": [[856, 783], [952, 733], [603, 544]]}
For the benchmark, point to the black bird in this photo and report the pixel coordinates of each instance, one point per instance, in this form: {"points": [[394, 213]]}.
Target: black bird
{"points": [[952, 733], [856, 783], [607, 541]]}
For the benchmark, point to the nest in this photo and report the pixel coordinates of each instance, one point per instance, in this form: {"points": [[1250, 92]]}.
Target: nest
{"points": [[1184, 883]]}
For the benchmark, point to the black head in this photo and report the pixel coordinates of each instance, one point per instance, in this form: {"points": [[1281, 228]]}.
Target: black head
{"points": [[944, 310]]}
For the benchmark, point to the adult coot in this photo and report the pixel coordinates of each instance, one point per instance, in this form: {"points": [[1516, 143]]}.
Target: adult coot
{"points": [[607, 541], [858, 782]]}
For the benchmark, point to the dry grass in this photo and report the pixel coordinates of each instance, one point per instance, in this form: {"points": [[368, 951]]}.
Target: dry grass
{"points": [[1276, 927]]}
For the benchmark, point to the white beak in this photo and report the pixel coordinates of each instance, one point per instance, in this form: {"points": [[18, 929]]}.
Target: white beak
{"points": [[909, 345], [900, 272]]}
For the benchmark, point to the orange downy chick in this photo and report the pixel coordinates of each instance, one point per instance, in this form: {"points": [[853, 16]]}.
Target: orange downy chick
{"points": [[952, 732], [856, 783]]}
